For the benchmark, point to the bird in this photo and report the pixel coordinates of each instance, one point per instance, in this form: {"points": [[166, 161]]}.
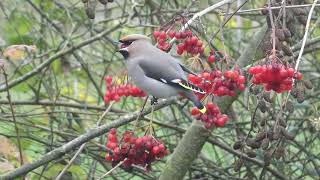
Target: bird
{"points": [[157, 72]]}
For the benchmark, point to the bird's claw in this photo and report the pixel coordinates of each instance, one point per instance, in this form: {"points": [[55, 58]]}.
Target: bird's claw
{"points": [[154, 101]]}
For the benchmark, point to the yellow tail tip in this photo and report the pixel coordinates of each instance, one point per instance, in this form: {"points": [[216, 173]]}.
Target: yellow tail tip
{"points": [[203, 110]]}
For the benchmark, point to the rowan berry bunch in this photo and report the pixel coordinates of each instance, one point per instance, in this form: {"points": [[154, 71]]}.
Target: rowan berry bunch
{"points": [[115, 92], [161, 37], [191, 45], [220, 83], [132, 150], [188, 42], [212, 117], [275, 76]]}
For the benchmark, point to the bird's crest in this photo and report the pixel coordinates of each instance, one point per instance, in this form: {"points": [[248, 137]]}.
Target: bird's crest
{"points": [[133, 37]]}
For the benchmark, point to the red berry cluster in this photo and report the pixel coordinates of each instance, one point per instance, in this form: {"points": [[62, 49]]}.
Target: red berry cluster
{"points": [[133, 150], [114, 93], [212, 116], [275, 76], [190, 43], [218, 83], [161, 37]]}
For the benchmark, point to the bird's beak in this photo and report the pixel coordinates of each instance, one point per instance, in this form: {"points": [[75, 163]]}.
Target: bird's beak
{"points": [[114, 42]]}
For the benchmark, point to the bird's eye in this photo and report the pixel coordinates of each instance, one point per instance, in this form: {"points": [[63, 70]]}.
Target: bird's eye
{"points": [[126, 44]]}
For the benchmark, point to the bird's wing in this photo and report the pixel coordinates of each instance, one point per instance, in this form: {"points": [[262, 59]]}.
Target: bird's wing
{"points": [[187, 70], [168, 73], [184, 68]]}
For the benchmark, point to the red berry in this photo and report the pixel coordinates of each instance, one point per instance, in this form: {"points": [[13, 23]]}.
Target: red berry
{"points": [[206, 76], [201, 50], [183, 35], [163, 35], [171, 34], [112, 138], [241, 80], [155, 150], [298, 76], [211, 105], [112, 145], [189, 33], [179, 51], [228, 74], [113, 131], [108, 80], [212, 59], [116, 151], [138, 142], [194, 79], [161, 147], [108, 157], [208, 125], [221, 121], [195, 111], [156, 34], [178, 35], [193, 40], [283, 73], [242, 87], [290, 72], [199, 43]]}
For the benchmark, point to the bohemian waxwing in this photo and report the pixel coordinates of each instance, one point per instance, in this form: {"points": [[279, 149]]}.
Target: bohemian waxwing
{"points": [[155, 71]]}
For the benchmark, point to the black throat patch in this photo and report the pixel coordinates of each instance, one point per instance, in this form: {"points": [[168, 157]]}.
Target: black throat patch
{"points": [[124, 53]]}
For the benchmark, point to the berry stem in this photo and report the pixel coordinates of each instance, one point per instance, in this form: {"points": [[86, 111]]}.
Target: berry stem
{"points": [[107, 173], [199, 14], [273, 35]]}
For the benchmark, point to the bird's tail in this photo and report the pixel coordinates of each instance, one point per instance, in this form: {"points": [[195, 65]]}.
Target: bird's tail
{"points": [[192, 97], [200, 106]]}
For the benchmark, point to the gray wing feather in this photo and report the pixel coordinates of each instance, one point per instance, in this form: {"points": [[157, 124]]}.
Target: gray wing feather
{"points": [[160, 65]]}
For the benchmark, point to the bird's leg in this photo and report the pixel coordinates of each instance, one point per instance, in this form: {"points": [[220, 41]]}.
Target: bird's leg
{"points": [[154, 101], [150, 128], [144, 104]]}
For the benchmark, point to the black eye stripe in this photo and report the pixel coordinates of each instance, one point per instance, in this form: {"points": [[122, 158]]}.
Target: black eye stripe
{"points": [[128, 42]]}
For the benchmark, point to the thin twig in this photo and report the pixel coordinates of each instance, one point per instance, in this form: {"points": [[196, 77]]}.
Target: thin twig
{"points": [[273, 35], [70, 162], [119, 164], [201, 13], [13, 116], [304, 40], [273, 8], [84, 144], [305, 35], [60, 103]]}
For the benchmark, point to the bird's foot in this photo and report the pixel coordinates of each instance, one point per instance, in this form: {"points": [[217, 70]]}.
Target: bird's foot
{"points": [[154, 101]]}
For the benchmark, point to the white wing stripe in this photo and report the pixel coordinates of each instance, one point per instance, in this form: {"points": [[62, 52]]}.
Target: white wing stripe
{"points": [[163, 80]]}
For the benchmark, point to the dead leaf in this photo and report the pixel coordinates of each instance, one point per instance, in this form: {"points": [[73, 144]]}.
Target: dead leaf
{"points": [[5, 167], [19, 52]]}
